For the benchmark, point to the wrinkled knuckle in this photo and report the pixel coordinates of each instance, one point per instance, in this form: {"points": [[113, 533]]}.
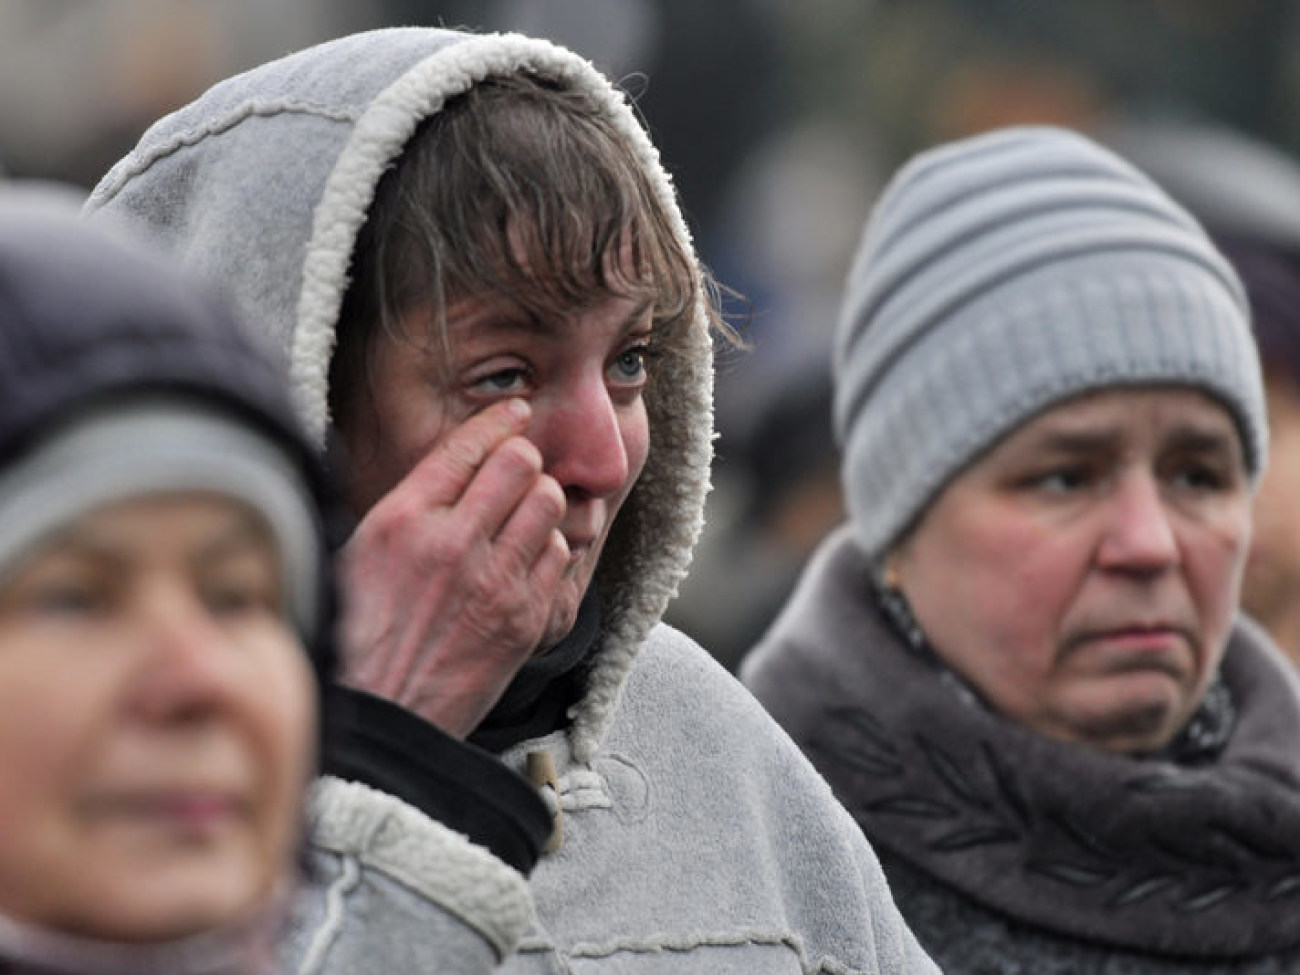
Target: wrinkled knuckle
{"points": [[496, 580], [548, 496], [397, 513], [523, 454], [460, 456], [452, 543]]}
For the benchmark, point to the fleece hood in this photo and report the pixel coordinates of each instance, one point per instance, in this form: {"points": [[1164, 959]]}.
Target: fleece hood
{"points": [[262, 185]]}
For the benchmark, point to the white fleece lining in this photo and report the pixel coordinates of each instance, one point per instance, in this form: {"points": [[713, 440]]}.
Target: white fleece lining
{"points": [[385, 834], [377, 139]]}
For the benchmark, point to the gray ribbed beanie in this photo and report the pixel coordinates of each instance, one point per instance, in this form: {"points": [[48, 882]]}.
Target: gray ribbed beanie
{"points": [[1002, 274]]}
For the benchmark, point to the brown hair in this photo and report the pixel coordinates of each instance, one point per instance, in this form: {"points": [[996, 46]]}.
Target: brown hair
{"points": [[519, 188]]}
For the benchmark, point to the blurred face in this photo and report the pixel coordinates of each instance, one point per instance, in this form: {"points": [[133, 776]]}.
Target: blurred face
{"points": [[1084, 574], [583, 376], [157, 723], [1272, 588]]}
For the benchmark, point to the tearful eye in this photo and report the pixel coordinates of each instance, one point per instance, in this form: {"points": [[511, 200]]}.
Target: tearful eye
{"points": [[1199, 477], [502, 381], [630, 365]]}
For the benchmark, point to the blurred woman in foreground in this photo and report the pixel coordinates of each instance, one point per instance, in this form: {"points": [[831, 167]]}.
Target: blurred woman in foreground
{"points": [[167, 612], [165, 616]]}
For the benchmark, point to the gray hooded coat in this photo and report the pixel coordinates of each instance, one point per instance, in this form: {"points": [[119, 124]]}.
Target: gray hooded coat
{"points": [[696, 837]]}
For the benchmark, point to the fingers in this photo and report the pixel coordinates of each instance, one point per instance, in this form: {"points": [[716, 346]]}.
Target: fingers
{"points": [[482, 484], [510, 488], [442, 476], [531, 532]]}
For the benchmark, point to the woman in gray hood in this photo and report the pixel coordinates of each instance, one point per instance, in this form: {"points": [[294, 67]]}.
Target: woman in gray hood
{"points": [[478, 273]]}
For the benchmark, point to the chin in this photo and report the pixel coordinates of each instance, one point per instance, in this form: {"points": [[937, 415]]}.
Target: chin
{"points": [[564, 614], [564, 609], [167, 908], [141, 919], [1134, 728]]}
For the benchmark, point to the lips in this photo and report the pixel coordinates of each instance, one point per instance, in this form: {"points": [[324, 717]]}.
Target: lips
{"points": [[1137, 645], [196, 810], [1129, 627], [581, 542], [1138, 636]]}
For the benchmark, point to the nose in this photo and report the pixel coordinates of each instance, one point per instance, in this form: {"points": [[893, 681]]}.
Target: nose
{"points": [[187, 670], [581, 438], [1139, 534]]}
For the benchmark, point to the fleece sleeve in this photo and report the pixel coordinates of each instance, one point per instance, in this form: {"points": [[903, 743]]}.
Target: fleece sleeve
{"points": [[390, 890]]}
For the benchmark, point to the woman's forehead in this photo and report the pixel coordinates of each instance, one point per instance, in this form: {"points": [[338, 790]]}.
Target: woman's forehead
{"points": [[1118, 413]]}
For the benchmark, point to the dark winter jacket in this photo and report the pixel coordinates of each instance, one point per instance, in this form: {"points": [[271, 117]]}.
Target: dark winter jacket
{"points": [[1009, 852]]}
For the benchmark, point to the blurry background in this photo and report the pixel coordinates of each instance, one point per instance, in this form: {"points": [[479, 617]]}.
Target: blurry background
{"points": [[780, 121]]}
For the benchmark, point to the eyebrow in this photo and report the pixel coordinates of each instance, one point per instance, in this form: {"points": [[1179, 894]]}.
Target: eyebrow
{"points": [[247, 532], [1184, 437], [1200, 440], [633, 318], [243, 532], [1074, 442]]}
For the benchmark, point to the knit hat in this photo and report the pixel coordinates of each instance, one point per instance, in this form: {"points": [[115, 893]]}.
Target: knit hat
{"points": [[158, 445], [1002, 274], [120, 377]]}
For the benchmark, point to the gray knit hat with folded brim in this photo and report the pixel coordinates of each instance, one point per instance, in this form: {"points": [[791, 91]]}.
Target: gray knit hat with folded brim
{"points": [[154, 446], [1002, 274]]}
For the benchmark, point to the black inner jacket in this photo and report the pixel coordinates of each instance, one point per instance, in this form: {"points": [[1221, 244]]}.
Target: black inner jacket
{"points": [[463, 785]]}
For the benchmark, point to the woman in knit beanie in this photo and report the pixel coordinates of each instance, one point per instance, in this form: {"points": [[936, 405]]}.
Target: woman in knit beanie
{"points": [[167, 635], [1021, 663]]}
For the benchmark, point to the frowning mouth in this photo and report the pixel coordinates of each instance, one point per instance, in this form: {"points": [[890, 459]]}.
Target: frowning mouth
{"points": [[1135, 645]]}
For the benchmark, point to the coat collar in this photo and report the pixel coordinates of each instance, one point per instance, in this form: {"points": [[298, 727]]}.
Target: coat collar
{"points": [[1137, 853]]}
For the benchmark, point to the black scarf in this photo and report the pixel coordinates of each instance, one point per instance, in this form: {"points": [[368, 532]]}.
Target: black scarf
{"points": [[538, 698]]}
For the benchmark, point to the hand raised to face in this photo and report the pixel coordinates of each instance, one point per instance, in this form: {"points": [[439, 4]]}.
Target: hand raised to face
{"points": [[452, 574]]}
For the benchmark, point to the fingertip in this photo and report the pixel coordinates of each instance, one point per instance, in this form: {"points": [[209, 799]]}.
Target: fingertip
{"points": [[518, 410], [549, 486], [526, 451], [552, 561]]}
